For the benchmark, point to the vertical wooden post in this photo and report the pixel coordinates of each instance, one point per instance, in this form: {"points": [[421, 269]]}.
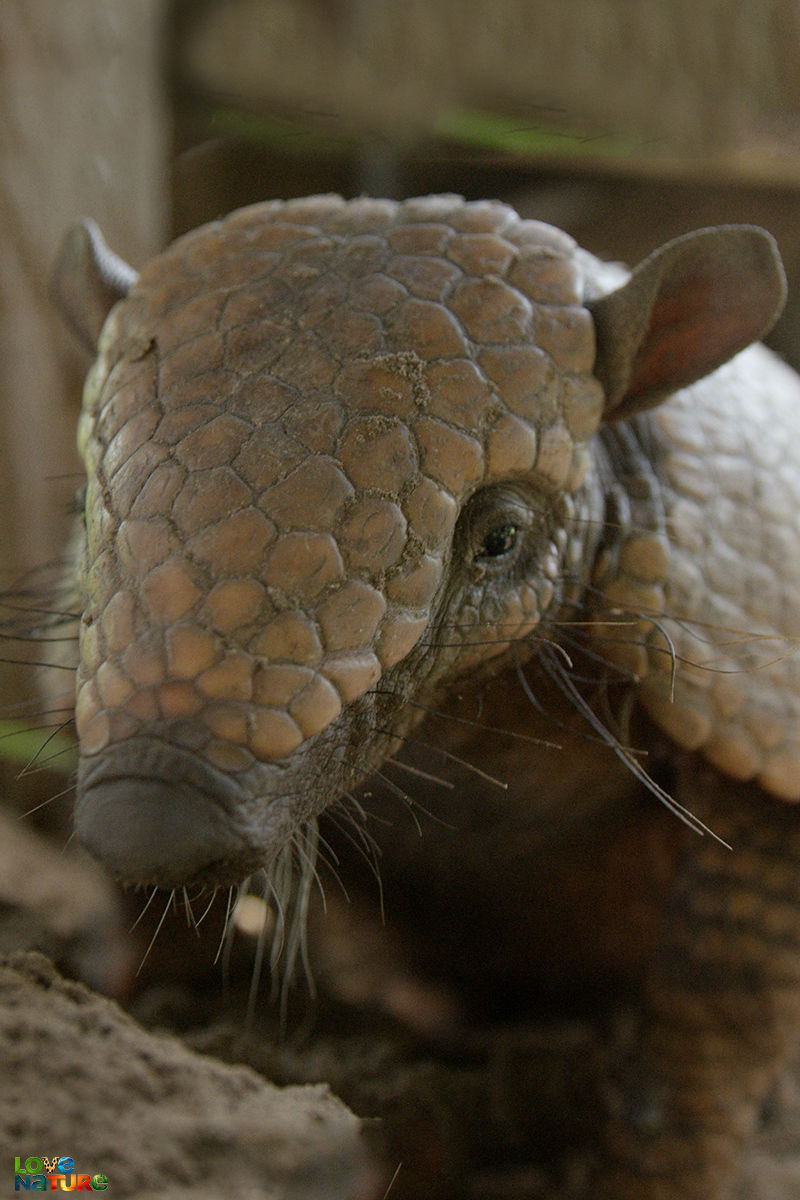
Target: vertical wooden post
{"points": [[84, 132]]}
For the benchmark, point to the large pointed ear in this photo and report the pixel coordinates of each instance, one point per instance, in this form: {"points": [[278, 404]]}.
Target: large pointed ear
{"points": [[88, 280], [685, 310]]}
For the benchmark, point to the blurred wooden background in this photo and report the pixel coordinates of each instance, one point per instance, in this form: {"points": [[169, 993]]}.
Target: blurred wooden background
{"points": [[623, 121]]}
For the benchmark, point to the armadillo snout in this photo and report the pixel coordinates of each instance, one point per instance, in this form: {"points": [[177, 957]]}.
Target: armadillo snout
{"points": [[158, 815]]}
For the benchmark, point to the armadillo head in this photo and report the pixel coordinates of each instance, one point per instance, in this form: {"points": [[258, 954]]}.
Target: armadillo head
{"points": [[338, 454]]}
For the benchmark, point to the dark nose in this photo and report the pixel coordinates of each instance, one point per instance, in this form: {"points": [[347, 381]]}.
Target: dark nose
{"points": [[157, 814]]}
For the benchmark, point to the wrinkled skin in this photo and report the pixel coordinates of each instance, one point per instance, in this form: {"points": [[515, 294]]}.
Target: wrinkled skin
{"points": [[352, 463]]}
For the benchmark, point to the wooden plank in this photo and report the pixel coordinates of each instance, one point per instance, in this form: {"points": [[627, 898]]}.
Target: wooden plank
{"points": [[84, 132], [665, 78]]}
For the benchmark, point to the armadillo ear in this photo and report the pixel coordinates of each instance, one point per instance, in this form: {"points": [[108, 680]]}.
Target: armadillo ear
{"points": [[88, 280], [688, 308]]}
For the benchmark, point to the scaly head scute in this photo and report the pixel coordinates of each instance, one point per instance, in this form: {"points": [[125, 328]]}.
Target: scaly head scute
{"points": [[326, 442]]}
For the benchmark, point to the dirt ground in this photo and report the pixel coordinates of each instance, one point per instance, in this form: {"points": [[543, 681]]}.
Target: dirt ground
{"points": [[184, 1094]]}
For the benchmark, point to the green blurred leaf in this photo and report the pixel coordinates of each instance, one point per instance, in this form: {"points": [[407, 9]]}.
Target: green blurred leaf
{"points": [[283, 133], [20, 745], [315, 134], [513, 135]]}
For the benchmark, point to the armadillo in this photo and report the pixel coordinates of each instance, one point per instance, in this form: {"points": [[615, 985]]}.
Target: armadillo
{"points": [[350, 462]]}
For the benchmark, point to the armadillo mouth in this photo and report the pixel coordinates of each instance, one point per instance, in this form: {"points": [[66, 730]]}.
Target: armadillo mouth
{"points": [[158, 815]]}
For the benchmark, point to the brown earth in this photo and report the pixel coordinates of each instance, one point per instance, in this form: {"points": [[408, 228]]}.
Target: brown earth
{"points": [[497, 1113]]}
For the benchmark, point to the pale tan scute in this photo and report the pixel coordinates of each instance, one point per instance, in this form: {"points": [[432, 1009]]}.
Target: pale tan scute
{"points": [[727, 597]]}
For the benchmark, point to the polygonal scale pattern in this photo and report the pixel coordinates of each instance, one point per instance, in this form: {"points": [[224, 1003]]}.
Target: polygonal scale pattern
{"points": [[707, 609], [284, 419]]}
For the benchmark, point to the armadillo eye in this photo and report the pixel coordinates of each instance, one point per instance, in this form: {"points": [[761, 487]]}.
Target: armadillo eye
{"points": [[499, 541], [494, 528]]}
